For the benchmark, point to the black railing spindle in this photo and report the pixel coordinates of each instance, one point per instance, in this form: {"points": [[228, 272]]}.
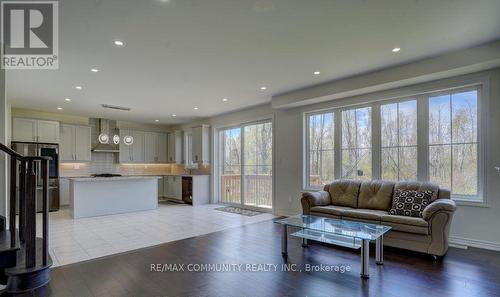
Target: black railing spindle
{"points": [[30, 220], [13, 194], [45, 219]]}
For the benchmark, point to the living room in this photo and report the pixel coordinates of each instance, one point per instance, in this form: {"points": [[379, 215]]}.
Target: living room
{"points": [[260, 148]]}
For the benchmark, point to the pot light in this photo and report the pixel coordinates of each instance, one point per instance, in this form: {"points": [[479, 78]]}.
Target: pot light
{"points": [[224, 99], [174, 115], [317, 73], [79, 88], [119, 43], [396, 49], [94, 70], [157, 121], [195, 108], [59, 108], [263, 88], [67, 100]]}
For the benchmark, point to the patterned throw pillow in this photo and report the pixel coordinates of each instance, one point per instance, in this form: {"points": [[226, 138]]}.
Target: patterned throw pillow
{"points": [[410, 203]]}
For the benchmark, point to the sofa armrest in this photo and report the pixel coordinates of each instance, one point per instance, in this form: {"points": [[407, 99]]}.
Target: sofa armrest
{"points": [[310, 199], [438, 205]]}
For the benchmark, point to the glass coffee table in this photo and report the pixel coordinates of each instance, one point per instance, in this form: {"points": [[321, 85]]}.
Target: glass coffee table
{"points": [[351, 234]]}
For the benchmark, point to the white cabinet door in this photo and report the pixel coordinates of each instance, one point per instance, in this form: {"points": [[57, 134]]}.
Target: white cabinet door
{"points": [[150, 147], [48, 131], [178, 188], [64, 191], [160, 187], [166, 184], [200, 144], [82, 144], [125, 150], [162, 148], [24, 130], [66, 146], [175, 147], [138, 147]]}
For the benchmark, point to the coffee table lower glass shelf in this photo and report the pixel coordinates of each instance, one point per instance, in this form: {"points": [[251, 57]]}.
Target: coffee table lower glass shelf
{"points": [[350, 234]]}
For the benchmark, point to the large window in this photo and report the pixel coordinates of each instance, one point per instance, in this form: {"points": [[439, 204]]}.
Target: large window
{"points": [[399, 140], [453, 145], [433, 136], [357, 143]]}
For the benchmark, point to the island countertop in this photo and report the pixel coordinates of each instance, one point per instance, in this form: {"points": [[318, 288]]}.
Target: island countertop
{"points": [[114, 178]]}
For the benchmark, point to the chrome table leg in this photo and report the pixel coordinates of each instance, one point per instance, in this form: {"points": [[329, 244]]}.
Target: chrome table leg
{"points": [[365, 258], [379, 256], [284, 240]]}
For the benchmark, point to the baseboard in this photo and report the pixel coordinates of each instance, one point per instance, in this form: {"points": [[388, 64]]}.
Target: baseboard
{"points": [[467, 242], [285, 213]]}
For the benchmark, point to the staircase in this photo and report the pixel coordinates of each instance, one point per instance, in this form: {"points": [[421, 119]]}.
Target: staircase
{"points": [[24, 258]]}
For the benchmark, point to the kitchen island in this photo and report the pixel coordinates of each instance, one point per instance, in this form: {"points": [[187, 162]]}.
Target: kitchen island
{"points": [[97, 196]]}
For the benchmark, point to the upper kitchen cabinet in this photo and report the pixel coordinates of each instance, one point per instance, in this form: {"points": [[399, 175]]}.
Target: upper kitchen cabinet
{"points": [[32, 130], [75, 144], [201, 144], [175, 153], [133, 153], [155, 147]]}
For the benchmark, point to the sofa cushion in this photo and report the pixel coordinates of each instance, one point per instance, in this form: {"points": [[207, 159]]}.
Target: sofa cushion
{"points": [[418, 186], [330, 209], [406, 224], [376, 194], [345, 192], [410, 203], [366, 214]]}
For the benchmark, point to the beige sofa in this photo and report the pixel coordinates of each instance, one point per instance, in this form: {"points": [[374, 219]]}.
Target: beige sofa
{"points": [[370, 201]]}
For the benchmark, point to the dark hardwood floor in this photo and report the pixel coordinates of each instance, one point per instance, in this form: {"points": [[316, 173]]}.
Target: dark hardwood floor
{"points": [[471, 272]]}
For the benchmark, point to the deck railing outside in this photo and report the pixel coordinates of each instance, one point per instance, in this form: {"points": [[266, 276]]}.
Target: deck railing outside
{"points": [[258, 189]]}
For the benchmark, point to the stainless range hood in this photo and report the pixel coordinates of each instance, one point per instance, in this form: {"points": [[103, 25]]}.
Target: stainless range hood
{"points": [[107, 127]]}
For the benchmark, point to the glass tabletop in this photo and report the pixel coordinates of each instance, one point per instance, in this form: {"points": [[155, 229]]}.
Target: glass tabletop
{"points": [[336, 226]]}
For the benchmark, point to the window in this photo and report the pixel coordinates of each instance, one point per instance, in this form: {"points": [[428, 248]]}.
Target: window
{"points": [[399, 140], [321, 148], [453, 145], [357, 143], [389, 140]]}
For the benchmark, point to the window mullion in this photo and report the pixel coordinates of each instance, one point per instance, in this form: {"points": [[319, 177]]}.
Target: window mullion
{"points": [[423, 138], [376, 142], [337, 144]]}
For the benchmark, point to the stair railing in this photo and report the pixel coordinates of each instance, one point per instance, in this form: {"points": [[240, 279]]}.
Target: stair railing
{"points": [[24, 168]]}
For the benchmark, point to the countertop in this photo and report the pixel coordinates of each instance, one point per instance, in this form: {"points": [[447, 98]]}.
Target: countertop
{"points": [[96, 179], [133, 176]]}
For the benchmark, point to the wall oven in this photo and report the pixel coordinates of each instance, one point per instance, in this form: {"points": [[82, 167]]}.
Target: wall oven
{"points": [[44, 150]]}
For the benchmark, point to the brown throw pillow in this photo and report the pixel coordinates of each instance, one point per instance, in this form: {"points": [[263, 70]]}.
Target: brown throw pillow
{"points": [[410, 203]]}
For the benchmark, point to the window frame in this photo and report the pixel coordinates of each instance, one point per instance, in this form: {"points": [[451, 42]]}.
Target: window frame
{"points": [[422, 99]]}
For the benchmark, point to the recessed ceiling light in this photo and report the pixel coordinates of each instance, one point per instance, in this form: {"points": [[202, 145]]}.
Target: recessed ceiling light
{"points": [[396, 49], [174, 115], [59, 108], [157, 121], [263, 88], [119, 43], [94, 70], [79, 88], [67, 99], [224, 99], [317, 73], [195, 108]]}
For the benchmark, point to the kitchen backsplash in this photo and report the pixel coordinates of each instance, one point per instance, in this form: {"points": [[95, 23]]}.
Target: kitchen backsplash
{"points": [[107, 163]]}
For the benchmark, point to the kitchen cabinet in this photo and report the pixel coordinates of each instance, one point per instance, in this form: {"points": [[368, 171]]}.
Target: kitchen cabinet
{"points": [[172, 187], [32, 130], [155, 148], [175, 147], [201, 144], [75, 143], [161, 188], [133, 153], [64, 191]]}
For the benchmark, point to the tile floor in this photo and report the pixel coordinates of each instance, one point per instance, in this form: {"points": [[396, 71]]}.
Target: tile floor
{"points": [[72, 241]]}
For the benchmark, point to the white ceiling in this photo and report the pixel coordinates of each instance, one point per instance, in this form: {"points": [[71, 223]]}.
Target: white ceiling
{"points": [[185, 53]]}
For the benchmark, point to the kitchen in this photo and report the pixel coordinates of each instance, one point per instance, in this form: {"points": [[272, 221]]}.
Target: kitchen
{"points": [[115, 154]]}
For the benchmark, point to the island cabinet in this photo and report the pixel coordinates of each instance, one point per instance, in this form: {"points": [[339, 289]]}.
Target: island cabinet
{"points": [[133, 153], [172, 187], [201, 144], [175, 147], [155, 147], [32, 130], [75, 143]]}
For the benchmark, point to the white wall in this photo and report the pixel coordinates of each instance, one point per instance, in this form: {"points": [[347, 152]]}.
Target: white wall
{"points": [[472, 225], [3, 139]]}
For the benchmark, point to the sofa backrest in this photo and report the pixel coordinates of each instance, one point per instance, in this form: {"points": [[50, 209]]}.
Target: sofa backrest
{"points": [[345, 192], [423, 186], [376, 194]]}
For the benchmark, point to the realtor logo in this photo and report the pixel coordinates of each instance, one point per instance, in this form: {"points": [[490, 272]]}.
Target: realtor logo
{"points": [[29, 35]]}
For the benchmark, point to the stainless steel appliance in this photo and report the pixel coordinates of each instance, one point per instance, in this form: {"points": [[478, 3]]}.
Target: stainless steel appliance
{"points": [[45, 150], [187, 189]]}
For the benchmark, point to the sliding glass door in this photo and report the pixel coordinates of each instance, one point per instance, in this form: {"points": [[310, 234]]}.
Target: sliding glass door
{"points": [[245, 172]]}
